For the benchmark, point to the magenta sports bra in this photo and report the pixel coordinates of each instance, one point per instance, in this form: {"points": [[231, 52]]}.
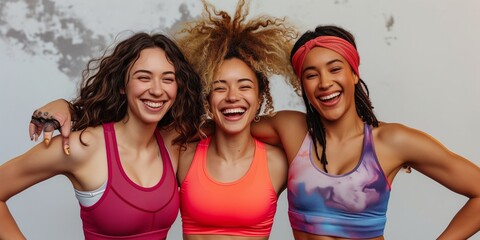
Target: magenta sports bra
{"points": [[127, 210], [351, 205]]}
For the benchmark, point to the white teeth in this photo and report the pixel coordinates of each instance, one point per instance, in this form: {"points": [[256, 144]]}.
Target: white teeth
{"points": [[153, 104], [333, 95], [233, 110]]}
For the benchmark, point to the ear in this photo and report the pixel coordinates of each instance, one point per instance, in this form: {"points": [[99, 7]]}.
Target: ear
{"points": [[122, 91], [355, 78]]}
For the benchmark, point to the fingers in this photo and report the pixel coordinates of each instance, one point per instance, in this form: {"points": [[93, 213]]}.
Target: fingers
{"points": [[49, 126], [42, 122], [65, 131], [48, 123], [66, 146], [35, 127], [47, 137], [65, 125], [31, 130]]}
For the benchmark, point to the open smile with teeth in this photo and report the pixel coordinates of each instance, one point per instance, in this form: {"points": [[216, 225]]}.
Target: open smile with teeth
{"points": [[233, 111], [329, 97], [153, 104]]}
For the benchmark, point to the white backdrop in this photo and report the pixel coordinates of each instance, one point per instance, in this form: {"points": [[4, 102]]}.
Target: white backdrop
{"points": [[420, 59]]}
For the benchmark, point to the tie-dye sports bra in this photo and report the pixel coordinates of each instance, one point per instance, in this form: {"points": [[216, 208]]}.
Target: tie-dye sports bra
{"points": [[351, 205]]}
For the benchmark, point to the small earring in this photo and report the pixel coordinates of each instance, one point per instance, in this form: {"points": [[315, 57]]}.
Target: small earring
{"points": [[256, 118]]}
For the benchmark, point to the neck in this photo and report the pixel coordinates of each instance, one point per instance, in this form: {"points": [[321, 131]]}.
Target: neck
{"points": [[135, 134], [343, 129], [230, 147]]}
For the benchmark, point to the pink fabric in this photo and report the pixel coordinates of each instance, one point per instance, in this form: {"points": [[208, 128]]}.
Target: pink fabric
{"points": [[339, 45], [127, 210]]}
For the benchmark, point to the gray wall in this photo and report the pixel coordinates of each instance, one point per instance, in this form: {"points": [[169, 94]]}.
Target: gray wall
{"points": [[420, 59]]}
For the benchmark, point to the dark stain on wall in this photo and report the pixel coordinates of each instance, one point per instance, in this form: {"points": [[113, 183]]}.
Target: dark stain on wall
{"points": [[389, 23], [56, 33], [42, 27]]}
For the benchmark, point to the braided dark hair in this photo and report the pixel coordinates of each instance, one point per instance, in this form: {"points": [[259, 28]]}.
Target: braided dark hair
{"points": [[363, 104]]}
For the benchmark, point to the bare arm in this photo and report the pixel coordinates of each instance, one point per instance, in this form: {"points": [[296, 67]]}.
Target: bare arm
{"points": [[286, 129], [185, 160], [430, 157], [16, 175], [277, 168], [54, 115]]}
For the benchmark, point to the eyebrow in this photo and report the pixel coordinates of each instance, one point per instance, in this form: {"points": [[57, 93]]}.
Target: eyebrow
{"points": [[239, 80], [328, 63], [149, 72]]}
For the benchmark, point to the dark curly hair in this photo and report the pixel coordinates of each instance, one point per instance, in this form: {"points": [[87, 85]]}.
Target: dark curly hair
{"points": [[363, 104], [100, 99]]}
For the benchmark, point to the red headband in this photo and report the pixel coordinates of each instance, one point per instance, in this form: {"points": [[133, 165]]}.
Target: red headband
{"points": [[339, 45]]}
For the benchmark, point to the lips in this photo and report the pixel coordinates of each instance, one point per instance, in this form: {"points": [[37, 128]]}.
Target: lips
{"points": [[153, 104], [233, 111], [330, 97]]}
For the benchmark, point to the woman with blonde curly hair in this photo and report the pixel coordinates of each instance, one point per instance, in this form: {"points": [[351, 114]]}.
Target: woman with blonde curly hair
{"points": [[230, 182]]}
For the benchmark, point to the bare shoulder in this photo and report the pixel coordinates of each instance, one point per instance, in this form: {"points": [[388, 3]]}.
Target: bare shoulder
{"points": [[185, 160], [274, 151], [173, 149], [168, 135], [409, 144], [42, 162], [395, 134], [289, 116], [281, 120], [85, 143], [188, 152], [276, 157], [277, 167]]}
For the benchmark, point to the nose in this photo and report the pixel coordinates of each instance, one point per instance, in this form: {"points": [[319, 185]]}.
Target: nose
{"points": [[232, 95], [156, 88], [325, 81]]}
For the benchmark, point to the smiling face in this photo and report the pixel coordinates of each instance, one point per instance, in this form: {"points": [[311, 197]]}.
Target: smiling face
{"points": [[234, 98], [329, 83], [151, 87]]}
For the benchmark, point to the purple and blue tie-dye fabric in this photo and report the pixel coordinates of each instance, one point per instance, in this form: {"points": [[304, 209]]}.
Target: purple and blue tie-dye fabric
{"points": [[351, 205]]}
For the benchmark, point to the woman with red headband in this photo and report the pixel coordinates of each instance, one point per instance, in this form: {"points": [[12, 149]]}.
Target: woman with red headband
{"points": [[341, 189]]}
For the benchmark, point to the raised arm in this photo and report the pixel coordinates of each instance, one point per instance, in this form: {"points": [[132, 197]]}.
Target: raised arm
{"points": [[430, 157], [55, 115]]}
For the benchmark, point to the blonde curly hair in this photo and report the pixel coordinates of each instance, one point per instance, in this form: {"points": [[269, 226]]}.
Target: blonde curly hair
{"points": [[263, 43]]}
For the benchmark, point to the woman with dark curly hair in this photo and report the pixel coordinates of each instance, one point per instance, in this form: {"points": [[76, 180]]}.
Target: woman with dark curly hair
{"points": [[134, 103]]}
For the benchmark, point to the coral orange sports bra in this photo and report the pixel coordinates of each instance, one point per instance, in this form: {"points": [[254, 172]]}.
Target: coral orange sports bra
{"points": [[245, 207]]}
